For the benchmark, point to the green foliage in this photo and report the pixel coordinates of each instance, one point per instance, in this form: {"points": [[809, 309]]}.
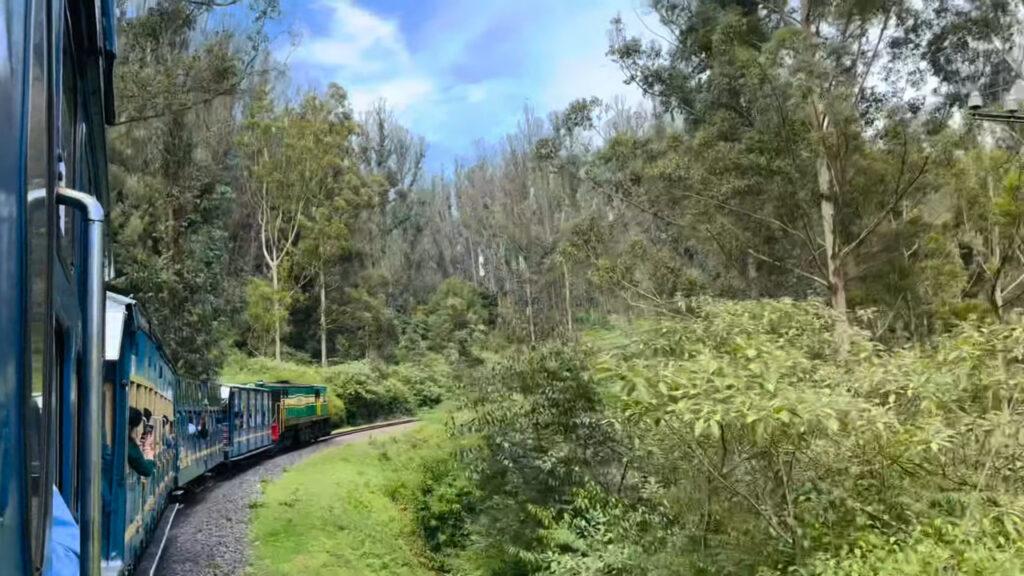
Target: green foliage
{"points": [[740, 441], [261, 315], [429, 378], [445, 504], [240, 368], [452, 322], [172, 180], [368, 326], [368, 393]]}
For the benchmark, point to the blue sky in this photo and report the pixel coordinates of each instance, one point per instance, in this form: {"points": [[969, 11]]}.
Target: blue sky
{"points": [[459, 71]]}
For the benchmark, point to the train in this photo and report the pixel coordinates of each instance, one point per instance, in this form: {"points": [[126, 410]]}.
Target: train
{"points": [[196, 426], [77, 361]]}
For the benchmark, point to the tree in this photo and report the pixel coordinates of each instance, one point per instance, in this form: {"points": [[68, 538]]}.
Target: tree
{"points": [[172, 178], [792, 101], [339, 191], [275, 149]]}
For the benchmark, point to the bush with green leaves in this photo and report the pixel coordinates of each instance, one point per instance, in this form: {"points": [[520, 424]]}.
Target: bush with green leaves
{"points": [[367, 392], [454, 320], [736, 439], [428, 377]]}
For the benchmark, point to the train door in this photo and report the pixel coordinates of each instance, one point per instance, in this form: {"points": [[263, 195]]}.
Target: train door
{"points": [[275, 415]]}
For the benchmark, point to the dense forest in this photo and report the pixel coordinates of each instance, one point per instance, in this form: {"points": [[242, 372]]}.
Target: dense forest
{"points": [[765, 323]]}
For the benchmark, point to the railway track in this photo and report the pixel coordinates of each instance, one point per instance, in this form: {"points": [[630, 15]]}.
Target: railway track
{"points": [[210, 537], [367, 428]]}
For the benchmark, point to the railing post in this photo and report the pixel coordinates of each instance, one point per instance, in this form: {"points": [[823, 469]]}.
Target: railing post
{"points": [[90, 410]]}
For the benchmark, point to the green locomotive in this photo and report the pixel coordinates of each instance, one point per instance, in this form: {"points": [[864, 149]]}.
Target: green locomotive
{"points": [[300, 412]]}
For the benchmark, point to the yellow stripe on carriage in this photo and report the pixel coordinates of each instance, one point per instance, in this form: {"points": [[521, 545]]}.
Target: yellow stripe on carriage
{"points": [[147, 507]]}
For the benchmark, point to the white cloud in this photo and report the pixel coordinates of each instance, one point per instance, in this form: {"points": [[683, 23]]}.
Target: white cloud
{"points": [[366, 53], [400, 93], [358, 41], [476, 93]]}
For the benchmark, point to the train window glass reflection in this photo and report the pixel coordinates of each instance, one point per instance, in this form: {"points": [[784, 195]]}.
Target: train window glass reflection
{"points": [[68, 156], [39, 225]]}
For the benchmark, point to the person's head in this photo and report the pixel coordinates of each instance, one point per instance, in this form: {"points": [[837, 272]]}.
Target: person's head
{"points": [[134, 421]]}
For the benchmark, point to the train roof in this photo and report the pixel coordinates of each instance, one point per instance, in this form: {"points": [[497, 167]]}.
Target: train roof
{"points": [[226, 386], [117, 313], [116, 322], [285, 384]]}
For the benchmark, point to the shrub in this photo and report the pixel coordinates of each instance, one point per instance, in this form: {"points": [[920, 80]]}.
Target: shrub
{"points": [[452, 322], [739, 441], [444, 506], [367, 392]]}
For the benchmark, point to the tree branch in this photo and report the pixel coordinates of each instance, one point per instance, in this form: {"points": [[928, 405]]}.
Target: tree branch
{"points": [[900, 194], [754, 215], [812, 277], [874, 55]]}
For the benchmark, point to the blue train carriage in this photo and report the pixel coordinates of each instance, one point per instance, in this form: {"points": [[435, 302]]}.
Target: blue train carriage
{"points": [[301, 412], [138, 374], [249, 418], [199, 426], [55, 101]]}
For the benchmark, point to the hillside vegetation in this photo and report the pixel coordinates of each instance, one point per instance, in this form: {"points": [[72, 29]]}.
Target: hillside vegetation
{"points": [[737, 440]]}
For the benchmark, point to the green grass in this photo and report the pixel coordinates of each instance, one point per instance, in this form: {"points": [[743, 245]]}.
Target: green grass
{"points": [[340, 512]]}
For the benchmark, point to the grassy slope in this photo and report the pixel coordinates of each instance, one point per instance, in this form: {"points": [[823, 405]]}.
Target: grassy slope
{"points": [[336, 513]]}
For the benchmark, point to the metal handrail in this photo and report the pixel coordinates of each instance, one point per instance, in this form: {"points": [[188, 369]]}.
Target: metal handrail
{"points": [[89, 469]]}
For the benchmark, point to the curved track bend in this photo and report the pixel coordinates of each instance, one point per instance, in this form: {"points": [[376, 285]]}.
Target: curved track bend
{"points": [[209, 533]]}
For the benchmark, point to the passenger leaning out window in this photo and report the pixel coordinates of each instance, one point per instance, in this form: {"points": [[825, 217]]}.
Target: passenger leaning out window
{"points": [[140, 446]]}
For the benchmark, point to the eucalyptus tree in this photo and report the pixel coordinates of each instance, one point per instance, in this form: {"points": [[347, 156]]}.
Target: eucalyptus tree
{"points": [[178, 79], [338, 189], [278, 156], [810, 141]]}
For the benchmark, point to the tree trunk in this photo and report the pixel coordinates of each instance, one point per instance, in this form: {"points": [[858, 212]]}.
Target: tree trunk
{"points": [[473, 262], [568, 296], [277, 311], [828, 193], [836, 275], [323, 320], [529, 300], [996, 298], [752, 275]]}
